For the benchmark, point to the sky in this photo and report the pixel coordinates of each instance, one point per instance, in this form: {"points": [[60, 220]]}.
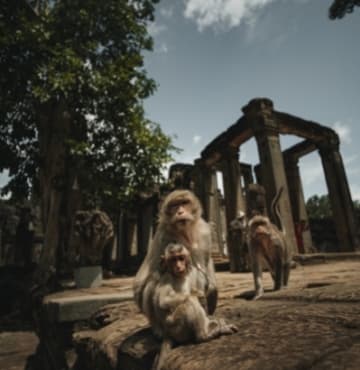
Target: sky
{"points": [[211, 57]]}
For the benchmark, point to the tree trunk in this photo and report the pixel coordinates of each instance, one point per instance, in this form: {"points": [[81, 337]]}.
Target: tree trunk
{"points": [[54, 131]]}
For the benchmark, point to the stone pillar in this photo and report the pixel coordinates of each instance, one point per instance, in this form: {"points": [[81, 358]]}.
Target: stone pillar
{"points": [[213, 215], [234, 201], [209, 184], [255, 199], [339, 194], [126, 236], [257, 170], [145, 230], [260, 113], [220, 223], [246, 171], [199, 186], [299, 213], [206, 191]]}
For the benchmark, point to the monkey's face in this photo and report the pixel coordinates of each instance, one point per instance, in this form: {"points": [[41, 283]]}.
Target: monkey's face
{"points": [[181, 212], [178, 265]]}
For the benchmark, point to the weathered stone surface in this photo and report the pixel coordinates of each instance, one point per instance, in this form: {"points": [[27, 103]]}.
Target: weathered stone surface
{"points": [[80, 308], [314, 324], [97, 349], [81, 304], [15, 347]]}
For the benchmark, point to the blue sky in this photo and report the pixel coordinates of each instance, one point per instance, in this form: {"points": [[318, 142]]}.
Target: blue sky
{"points": [[212, 56]]}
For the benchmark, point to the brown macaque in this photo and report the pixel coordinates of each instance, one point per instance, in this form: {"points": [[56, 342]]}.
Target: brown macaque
{"points": [[267, 245], [178, 310], [180, 221]]}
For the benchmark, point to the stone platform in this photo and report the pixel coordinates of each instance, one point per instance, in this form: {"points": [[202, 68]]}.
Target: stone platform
{"points": [[314, 324]]}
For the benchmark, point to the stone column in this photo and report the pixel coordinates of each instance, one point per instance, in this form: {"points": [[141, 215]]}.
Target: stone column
{"points": [[246, 171], [213, 210], [126, 236], [299, 213], [234, 201], [145, 229], [257, 171], [206, 190], [339, 194], [220, 223], [199, 185], [260, 113]]}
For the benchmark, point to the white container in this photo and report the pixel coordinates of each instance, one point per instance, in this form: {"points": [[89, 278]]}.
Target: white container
{"points": [[88, 276]]}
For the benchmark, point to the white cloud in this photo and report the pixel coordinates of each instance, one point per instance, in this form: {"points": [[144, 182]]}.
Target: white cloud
{"points": [[167, 12], [311, 170], [355, 192], [223, 14], [196, 139], [344, 131], [162, 48], [155, 29], [351, 159], [243, 155]]}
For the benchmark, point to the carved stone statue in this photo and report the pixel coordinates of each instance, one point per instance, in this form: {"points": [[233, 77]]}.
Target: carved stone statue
{"points": [[93, 233]]}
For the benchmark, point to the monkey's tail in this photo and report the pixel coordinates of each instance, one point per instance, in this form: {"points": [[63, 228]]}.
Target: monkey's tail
{"points": [[275, 210]]}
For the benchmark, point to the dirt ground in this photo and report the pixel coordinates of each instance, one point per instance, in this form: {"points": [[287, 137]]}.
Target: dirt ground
{"points": [[314, 324]]}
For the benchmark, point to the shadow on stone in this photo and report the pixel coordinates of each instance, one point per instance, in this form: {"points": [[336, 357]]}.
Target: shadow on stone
{"points": [[138, 351], [317, 285], [248, 295]]}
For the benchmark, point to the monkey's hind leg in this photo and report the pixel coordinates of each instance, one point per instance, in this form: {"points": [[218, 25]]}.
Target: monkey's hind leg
{"points": [[160, 358], [286, 273], [257, 272], [278, 274]]}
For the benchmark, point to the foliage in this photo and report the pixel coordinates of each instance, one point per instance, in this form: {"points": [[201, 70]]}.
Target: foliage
{"points": [[339, 8], [319, 207], [82, 59]]}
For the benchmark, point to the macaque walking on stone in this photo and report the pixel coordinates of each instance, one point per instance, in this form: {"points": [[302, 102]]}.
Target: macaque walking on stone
{"points": [[267, 246]]}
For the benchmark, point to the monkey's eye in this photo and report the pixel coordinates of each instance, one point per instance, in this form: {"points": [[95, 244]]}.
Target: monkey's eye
{"points": [[179, 203], [177, 258]]}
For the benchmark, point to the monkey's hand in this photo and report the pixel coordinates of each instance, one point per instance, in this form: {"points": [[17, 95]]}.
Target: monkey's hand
{"points": [[170, 302]]}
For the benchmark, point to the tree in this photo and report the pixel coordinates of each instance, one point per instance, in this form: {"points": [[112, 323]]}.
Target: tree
{"points": [[339, 8], [319, 207], [72, 86]]}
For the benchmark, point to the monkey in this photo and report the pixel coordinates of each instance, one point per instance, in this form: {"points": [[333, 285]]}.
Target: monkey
{"points": [[179, 221], [267, 245], [177, 307]]}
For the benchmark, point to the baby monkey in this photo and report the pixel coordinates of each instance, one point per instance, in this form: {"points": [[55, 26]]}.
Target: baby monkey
{"points": [[177, 305]]}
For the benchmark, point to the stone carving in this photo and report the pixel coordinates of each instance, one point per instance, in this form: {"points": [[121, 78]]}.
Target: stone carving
{"points": [[93, 232]]}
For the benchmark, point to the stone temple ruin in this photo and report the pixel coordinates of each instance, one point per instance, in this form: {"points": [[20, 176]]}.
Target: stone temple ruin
{"points": [[61, 317], [276, 169]]}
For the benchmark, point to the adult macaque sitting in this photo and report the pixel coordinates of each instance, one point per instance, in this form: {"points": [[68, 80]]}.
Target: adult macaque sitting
{"points": [[181, 317], [180, 222]]}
